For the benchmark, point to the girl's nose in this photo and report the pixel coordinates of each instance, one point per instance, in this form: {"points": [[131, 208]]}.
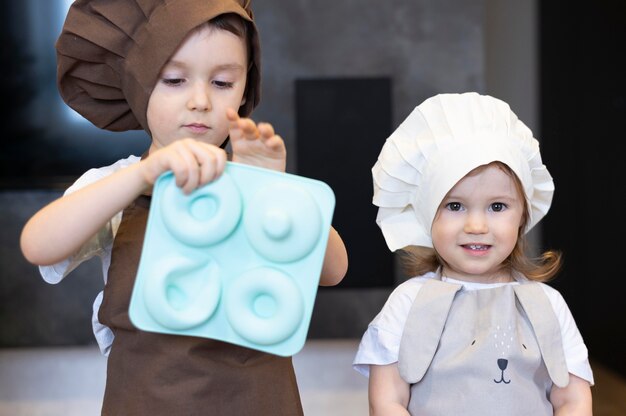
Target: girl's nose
{"points": [[200, 99], [476, 223]]}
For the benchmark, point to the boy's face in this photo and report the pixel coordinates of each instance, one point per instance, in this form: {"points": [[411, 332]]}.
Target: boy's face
{"points": [[204, 77], [477, 224]]}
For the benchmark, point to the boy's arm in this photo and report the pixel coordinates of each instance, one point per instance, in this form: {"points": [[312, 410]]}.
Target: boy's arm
{"points": [[388, 393], [335, 260], [572, 400], [59, 229], [259, 145]]}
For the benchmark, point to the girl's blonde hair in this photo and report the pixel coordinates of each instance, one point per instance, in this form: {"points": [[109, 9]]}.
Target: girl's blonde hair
{"points": [[417, 260]]}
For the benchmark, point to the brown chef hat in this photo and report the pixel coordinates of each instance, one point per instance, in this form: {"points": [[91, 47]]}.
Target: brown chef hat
{"points": [[110, 53]]}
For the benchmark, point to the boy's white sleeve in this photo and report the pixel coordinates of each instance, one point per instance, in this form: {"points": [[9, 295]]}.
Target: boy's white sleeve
{"points": [[381, 342], [101, 243]]}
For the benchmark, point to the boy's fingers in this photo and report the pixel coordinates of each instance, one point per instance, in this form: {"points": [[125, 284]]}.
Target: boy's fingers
{"points": [[212, 166], [211, 161], [193, 175], [178, 167], [234, 119], [249, 128], [275, 142], [266, 130], [231, 114]]}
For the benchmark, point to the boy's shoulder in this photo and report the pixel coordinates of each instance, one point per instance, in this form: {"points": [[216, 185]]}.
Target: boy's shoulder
{"points": [[121, 163], [95, 174]]}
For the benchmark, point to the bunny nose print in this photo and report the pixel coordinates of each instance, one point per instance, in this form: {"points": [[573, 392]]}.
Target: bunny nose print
{"points": [[502, 363]]}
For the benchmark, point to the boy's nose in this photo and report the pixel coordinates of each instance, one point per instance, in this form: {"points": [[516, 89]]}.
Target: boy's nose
{"points": [[199, 99]]}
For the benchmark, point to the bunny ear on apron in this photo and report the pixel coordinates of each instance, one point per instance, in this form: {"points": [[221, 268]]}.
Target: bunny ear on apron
{"points": [[435, 299], [544, 321]]}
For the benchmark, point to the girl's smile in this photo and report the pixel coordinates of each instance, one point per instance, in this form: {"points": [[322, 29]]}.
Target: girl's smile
{"points": [[476, 249]]}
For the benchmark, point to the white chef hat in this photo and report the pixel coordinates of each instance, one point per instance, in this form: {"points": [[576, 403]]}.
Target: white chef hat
{"points": [[442, 140]]}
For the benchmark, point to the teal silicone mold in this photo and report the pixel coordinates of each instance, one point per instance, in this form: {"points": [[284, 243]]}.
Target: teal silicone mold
{"points": [[237, 260]]}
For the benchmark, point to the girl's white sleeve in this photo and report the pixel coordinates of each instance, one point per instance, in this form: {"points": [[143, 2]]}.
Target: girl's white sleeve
{"points": [[381, 342], [576, 354]]}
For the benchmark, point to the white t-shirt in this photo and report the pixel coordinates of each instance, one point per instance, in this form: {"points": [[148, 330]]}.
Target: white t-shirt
{"points": [[381, 342], [100, 245]]}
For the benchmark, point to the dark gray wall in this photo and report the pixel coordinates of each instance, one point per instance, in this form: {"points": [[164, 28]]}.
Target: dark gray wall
{"points": [[425, 47], [32, 312]]}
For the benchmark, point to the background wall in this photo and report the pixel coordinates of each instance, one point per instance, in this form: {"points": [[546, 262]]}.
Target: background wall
{"points": [[424, 48]]}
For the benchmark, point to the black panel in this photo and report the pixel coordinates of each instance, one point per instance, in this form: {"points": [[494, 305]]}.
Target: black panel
{"points": [[583, 108], [341, 125]]}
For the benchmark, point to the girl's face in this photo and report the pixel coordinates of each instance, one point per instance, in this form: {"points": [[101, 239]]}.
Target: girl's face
{"points": [[204, 77], [477, 224]]}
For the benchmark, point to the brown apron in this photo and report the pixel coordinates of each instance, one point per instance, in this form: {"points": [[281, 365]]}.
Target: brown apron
{"points": [[157, 374]]}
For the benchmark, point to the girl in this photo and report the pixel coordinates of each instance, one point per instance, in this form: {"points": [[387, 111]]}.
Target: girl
{"points": [[185, 71], [475, 332]]}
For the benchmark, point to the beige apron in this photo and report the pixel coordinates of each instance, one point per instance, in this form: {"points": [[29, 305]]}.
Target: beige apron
{"points": [[481, 352], [156, 374]]}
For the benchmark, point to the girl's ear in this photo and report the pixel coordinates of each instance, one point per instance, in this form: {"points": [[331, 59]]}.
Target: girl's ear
{"points": [[243, 100]]}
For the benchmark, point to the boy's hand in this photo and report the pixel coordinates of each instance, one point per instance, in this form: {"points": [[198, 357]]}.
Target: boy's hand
{"points": [[256, 145], [193, 163]]}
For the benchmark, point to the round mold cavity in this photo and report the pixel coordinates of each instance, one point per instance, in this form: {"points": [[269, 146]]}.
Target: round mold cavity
{"points": [[264, 306], [206, 216], [283, 222], [182, 293]]}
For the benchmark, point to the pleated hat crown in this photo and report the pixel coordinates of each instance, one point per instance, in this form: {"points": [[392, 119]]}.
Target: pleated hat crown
{"points": [[441, 141], [110, 53]]}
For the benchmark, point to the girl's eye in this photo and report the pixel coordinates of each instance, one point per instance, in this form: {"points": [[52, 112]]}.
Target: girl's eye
{"points": [[454, 206], [498, 207], [223, 84], [173, 82]]}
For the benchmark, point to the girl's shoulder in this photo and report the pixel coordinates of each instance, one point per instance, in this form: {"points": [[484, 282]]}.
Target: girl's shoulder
{"points": [[411, 286], [555, 297], [402, 297], [392, 316]]}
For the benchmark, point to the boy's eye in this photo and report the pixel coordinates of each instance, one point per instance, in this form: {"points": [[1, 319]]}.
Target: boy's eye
{"points": [[498, 206], [173, 81], [454, 206], [223, 84]]}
